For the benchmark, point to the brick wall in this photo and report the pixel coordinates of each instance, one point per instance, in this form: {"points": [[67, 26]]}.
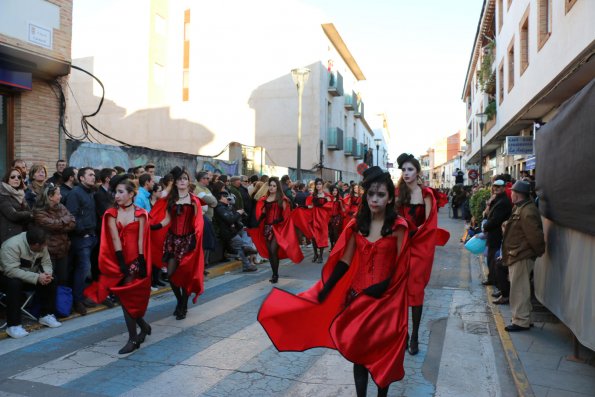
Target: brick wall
{"points": [[36, 115]]}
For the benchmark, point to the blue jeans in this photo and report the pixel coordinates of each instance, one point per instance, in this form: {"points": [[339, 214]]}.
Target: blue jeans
{"points": [[81, 249]]}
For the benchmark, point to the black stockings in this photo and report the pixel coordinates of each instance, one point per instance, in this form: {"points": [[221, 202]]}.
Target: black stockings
{"points": [[360, 375], [180, 293], [273, 247], [416, 317], [130, 324]]}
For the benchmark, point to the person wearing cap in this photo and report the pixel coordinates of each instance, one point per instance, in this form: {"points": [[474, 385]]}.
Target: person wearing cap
{"points": [[497, 211], [359, 307], [522, 243]]}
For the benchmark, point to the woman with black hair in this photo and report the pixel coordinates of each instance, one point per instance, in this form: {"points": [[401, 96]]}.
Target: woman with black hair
{"points": [[177, 225], [359, 306], [335, 225], [275, 237], [123, 256], [417, 205], [352, 201], [318, 203]]}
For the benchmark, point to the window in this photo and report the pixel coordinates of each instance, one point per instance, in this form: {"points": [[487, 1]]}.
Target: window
{"points": [[544, 22], [511, 65], [186, 60], [524, 42], [501, 83], [6, 132], [500, 14], [568, 5]]}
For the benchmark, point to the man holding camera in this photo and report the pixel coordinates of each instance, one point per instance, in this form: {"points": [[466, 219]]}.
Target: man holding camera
{"points": [[229, 224]]}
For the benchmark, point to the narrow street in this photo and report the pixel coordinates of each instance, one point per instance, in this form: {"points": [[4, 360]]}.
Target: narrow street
{"points": [[220, 349]]}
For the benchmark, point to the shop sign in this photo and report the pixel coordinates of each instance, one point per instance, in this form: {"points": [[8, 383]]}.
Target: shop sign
{"points": [[40, 36], [530, 164], [518, 145]]}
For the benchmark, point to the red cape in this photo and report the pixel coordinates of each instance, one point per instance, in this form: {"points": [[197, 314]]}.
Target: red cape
{"points": [[134, 295], [190, 272], [289, 245], [369, 331], [320, 219], [423, 245], [440, 198], [302, 219]]}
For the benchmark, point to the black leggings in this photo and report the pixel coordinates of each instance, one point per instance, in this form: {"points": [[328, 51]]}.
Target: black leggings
{"points": [[416, 312], [180, 293], [273, 247], [360, 375], [131, 324]]}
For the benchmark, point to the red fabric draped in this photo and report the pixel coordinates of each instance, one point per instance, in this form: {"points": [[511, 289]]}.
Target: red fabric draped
{"points": [[320, 220], [441, 198], [369, 331], [134, 295], [190, 272], [289, 246], [423, 245], [302, 219]]}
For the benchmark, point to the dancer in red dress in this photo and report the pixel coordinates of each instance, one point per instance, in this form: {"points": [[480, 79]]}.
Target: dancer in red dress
{"points": [[177, 225], [275, 237], [417, 205], [123, 255], [321, 212], [351, 202], [359, 307], [335, 226]]}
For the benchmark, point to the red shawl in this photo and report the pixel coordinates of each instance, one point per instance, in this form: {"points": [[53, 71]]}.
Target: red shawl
{"points": [[423, 244], [320, 220], [134, 295], [289, 246], [369, 331], [190, 272]]}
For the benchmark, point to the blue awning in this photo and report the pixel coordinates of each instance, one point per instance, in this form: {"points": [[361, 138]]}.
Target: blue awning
{"points": [[14, 79]]}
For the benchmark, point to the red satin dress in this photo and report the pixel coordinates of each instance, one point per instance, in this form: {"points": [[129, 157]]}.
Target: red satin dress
{"points": [[352, 206], [180, 239], [273, 215], [321, 213], [129, 239], [336, 220], [365, 330]]}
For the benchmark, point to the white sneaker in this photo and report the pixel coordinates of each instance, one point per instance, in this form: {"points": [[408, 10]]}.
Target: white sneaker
{"points": [[16, 331], [50, 321], [154, 288]]}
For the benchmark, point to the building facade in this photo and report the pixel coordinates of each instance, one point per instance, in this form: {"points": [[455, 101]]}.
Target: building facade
{"points": [[192, 77], [528, 57], [35, 40]]}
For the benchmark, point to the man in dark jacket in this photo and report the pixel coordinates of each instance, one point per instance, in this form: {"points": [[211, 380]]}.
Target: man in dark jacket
{"points": [[68, 182], [81, 203], [498, 211], [523, 241], [228, 225], [286, 187]]}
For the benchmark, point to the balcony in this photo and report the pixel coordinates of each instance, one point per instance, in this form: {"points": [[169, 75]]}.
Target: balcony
{"points": [[359, 153], [350, 101], [350, 147], [334, 139], [359, 109], [335, 84]]}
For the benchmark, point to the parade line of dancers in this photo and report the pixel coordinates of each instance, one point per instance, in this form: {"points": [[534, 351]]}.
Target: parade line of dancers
{"points": [[382, 242]]}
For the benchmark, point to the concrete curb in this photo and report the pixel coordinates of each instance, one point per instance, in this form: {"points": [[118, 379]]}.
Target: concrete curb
{"points": [[514, 363], [214, 271]]}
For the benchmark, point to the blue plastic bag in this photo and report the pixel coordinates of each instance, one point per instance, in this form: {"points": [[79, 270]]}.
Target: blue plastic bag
{"points": [[63, 301], [476, 245]]}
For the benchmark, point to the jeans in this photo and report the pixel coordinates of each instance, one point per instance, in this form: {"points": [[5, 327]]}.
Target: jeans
{"points": [[237, 244], [14, 287], [81, 253]]}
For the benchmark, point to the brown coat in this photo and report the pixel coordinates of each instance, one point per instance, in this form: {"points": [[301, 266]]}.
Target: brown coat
{"points": [[523, 234], [57, 221], [14, 216]]}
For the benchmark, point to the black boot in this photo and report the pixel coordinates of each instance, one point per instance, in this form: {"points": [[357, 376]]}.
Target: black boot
{"points": [[130, 346]]}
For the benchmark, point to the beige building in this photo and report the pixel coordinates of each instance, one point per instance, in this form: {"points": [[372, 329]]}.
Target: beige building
{"points": [[193, 77], [529, 56], [35, 37]]}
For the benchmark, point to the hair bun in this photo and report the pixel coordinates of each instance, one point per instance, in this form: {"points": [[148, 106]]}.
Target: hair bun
{"points": [[116, 180], [403, 158]]}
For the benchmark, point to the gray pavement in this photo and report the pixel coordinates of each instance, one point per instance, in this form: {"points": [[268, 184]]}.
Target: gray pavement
{"points": [[220, 349]]}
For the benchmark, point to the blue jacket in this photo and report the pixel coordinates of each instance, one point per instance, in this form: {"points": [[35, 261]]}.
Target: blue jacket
{"points": [[81, 204], [143, 199]]}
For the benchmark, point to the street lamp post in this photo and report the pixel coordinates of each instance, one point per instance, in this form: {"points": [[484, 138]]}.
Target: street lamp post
{"points": [[377, 141], [482, 117], [300, 77]]}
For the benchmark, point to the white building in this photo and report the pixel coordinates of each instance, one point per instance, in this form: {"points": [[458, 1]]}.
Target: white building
{"points": [[528, 57], [194, 76]]}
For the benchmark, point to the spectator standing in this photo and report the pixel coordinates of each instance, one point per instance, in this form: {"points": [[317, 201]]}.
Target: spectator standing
{"points": [[143, 198], [68, 182], [104, 200], [286, 187], [204, 193], [56, 179], [37, 176], [459, 176], [21, 165], [522, 243], [498, 211], [138, 171], [53, 217], [234, 188], [25, 264], [14, 212], [81, 203], [150, 169]]}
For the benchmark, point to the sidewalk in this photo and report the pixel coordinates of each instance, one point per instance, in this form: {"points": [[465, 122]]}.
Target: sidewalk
{"points": [[542, 360], [214, 271]]}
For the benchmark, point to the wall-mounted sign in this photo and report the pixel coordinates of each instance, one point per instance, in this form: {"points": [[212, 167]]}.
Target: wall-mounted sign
{"points": [[530, 164], [40, 36], [518, 145]]}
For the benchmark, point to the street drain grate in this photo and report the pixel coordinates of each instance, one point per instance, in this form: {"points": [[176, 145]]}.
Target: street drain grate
{"points": [[476, 328]]}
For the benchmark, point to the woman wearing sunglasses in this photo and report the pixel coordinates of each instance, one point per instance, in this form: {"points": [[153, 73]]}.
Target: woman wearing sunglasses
{"points": [[14, 211]]}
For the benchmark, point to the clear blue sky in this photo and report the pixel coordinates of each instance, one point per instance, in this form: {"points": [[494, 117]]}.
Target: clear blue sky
{"points": [[414, 55]]}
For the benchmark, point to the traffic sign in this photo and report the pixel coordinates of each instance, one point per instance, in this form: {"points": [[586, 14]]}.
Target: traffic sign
{"points": [[473, 174]]}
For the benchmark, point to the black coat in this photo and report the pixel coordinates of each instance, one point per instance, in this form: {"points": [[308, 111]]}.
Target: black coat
{"points": [[14, 216], [227, 222], [500, 210]]}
